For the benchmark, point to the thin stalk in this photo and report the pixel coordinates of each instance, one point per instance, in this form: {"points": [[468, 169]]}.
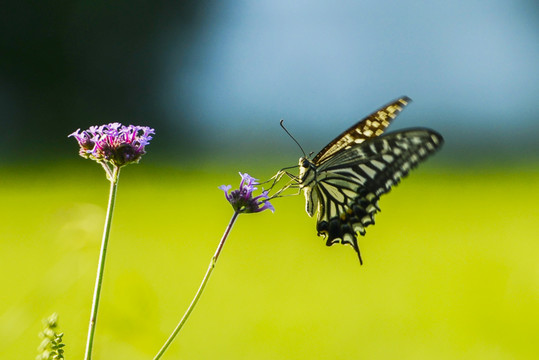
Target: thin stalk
{"points": [[101, 265], [200, 289]]}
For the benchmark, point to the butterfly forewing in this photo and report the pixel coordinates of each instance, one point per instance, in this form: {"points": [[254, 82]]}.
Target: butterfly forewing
{"points": [[371, 126], [344, 181]]}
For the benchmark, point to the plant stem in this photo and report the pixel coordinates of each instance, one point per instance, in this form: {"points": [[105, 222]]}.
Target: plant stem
{"points": [[200, 289], [101, 265]]}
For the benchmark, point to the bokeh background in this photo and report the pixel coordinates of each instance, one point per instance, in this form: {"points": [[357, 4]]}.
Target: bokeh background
{"points": [[451, 267]]}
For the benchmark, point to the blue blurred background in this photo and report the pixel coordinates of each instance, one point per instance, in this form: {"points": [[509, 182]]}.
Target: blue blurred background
{"points": [[215, 78]]}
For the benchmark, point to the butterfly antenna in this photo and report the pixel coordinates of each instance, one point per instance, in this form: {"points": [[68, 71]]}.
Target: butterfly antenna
{"points": [[304, 155]]}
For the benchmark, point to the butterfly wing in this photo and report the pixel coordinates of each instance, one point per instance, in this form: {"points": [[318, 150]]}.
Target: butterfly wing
{"points": [[369, 127], [346, 187]]}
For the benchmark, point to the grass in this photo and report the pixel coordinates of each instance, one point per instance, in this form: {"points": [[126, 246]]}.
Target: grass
{"points": [[450, 270]]}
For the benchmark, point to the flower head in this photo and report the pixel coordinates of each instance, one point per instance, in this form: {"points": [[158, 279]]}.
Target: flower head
{"points": [[114, 143], [242, 200]]}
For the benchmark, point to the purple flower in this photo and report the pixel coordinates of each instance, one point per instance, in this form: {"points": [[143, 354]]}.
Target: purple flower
{"points": [[242, 200], [114, 143]]}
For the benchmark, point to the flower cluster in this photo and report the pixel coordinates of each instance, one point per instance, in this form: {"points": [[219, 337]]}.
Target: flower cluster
{"points": [[242, 200], [114, 143]]}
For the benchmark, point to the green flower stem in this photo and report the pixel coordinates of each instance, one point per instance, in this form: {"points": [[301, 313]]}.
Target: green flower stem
{"points": [[200, 289], [101, 266]]}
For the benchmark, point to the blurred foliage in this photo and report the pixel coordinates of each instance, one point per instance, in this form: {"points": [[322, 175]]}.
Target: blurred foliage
{"points": [[84, 63], [450, 268], [52, 345]]}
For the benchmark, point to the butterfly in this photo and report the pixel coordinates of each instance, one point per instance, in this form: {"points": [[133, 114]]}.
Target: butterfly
{"points": [[345, 180]]}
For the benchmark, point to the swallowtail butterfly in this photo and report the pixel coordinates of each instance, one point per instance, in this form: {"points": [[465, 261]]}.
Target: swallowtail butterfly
{"points": [[344, 181]]}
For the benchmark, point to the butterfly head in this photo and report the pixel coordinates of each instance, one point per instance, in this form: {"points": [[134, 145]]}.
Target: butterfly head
{"points": [[304, 162]]}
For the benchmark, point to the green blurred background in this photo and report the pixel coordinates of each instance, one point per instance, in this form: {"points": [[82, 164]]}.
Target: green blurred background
{"points": [[451, 266]]}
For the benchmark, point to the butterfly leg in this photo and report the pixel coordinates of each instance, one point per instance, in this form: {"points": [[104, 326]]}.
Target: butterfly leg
{"points": [[278, 176], [291, 184]]}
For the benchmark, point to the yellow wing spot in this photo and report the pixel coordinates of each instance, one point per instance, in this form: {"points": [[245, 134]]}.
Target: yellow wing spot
{"points": [[343, 216], [370, 196], [381, 115], [396, 107]]}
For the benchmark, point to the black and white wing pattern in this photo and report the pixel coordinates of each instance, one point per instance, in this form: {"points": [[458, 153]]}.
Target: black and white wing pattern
{"points": [[345, 180]]}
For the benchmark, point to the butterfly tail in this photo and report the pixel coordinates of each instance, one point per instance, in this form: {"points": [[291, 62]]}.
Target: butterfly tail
{"points": [[356, 248]]}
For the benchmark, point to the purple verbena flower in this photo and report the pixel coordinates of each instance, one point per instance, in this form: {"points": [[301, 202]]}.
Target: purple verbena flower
{"points": [[242, 200], [114, 143]]}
